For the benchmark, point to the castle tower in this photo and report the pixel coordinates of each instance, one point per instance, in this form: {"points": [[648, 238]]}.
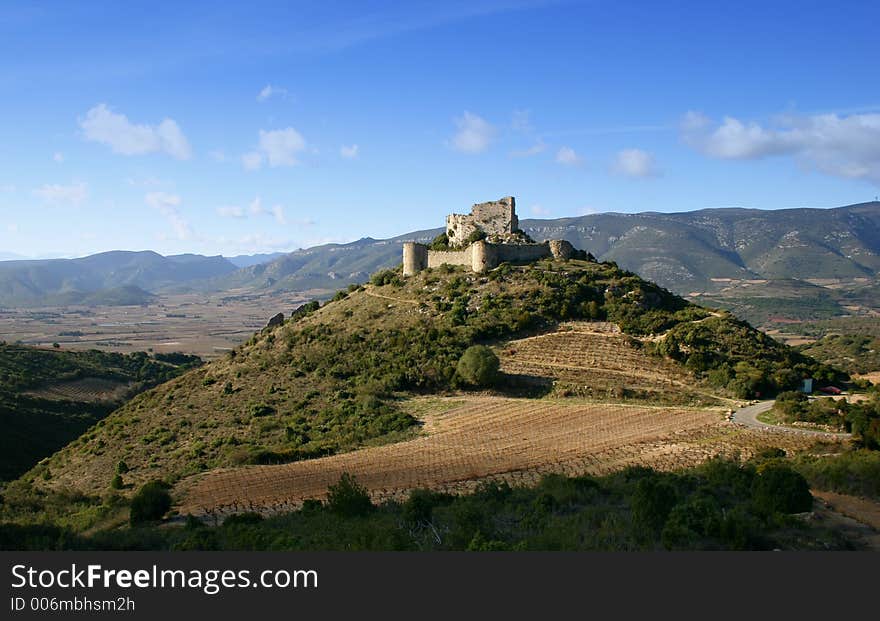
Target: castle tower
{"points": [[415, 258], [484, 257]]}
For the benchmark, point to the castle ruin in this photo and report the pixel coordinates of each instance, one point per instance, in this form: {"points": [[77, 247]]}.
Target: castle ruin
{"points": [[482, 240]]}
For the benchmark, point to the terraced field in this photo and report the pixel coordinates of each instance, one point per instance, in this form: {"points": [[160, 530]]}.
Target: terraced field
{"points": [[484, 439], [594, 359], [85, 390]]}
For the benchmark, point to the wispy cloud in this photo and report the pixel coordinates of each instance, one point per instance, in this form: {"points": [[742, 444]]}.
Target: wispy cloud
{"points": [[104, 126], [255, 208], [73, 194], [520, 121], [168, 205], [536, 149], [608, 130], [540, 211], [568, 157], [842, 146], [635, 163], [279, 147], [231, 211], [349, 152], [269, 91], [474, 134]]}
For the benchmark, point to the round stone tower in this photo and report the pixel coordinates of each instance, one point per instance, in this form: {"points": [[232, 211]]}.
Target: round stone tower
{"points": [[484, 257], [415, 258]]}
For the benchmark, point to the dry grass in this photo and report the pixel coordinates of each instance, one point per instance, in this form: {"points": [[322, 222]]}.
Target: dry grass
{"points": [[488, 438]]}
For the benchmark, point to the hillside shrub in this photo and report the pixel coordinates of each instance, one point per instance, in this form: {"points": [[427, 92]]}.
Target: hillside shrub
{"points": [[441, 242], [348, 498], [478, 366], [150, 503], [778, 488]]}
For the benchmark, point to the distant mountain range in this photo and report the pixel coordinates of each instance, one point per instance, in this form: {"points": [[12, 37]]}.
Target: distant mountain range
{"points": [[117, 277], [698, 251]]}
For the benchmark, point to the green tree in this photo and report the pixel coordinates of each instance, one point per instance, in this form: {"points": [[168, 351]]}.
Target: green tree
{"points": [[478, 366], [150, 504], [348, 498], [778, 488]]}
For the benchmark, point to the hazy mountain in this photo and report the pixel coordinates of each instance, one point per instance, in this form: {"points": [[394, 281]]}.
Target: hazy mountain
{"points": [[74, 281], [681, 251], [686, 252], [246, 260]]}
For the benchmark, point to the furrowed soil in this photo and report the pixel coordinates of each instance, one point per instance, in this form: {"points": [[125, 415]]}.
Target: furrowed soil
{"points": [[473, 439]]}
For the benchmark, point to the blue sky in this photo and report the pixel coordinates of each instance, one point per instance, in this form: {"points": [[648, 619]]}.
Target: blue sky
{"points": [[277, 125]]}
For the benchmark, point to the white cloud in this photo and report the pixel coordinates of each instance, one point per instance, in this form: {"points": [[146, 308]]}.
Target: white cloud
{"points": [[270, 91], [230, 212], [568, 157], [843, 146], [146, 182], [535, 149], [252, 160], [474, 134], [73, 194], [58, 156], [349, 152], [540, 211], [279, 147], [255, 208], [167, 205], [122, 136], [520, 121], [635, 163]]}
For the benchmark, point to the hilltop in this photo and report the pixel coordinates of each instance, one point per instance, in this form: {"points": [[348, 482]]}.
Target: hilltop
{"points": [[684, 252], [335, 377], [762, 264]]}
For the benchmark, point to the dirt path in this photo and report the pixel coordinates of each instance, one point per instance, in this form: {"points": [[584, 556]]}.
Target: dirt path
{"points": [[861, 509], [858, 517], [373, 294]]}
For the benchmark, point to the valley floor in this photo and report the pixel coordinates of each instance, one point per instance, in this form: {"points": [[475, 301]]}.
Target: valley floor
{"points": [[472, 439]]}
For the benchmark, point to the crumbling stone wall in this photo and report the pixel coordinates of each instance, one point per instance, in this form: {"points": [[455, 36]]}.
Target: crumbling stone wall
{"points": [[493, 218], [498, 220]]}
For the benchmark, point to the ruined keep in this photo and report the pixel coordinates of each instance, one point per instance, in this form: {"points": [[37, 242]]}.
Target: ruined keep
{"points": [[502, 241], [497, 219]]}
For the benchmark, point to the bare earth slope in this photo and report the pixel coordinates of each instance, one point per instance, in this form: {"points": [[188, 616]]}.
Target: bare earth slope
{"points": [[488, 438]]}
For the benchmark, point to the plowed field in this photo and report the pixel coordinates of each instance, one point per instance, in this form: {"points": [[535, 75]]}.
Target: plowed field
{"points": [[486, 438]]}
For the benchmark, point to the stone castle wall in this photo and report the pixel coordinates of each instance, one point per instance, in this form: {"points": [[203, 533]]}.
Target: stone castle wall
{"points": [[493, 218], [481, 256], [436, 258]]}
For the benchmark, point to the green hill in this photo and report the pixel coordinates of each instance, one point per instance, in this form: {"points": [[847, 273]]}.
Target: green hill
{"points": [[49, 397], [331, 378]]}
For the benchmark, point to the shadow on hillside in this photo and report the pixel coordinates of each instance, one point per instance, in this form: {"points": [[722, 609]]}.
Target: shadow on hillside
{"points": [[523, 385]]}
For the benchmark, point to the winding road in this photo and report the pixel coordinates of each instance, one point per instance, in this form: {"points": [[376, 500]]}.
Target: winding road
{"points": [[748, 416]]}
